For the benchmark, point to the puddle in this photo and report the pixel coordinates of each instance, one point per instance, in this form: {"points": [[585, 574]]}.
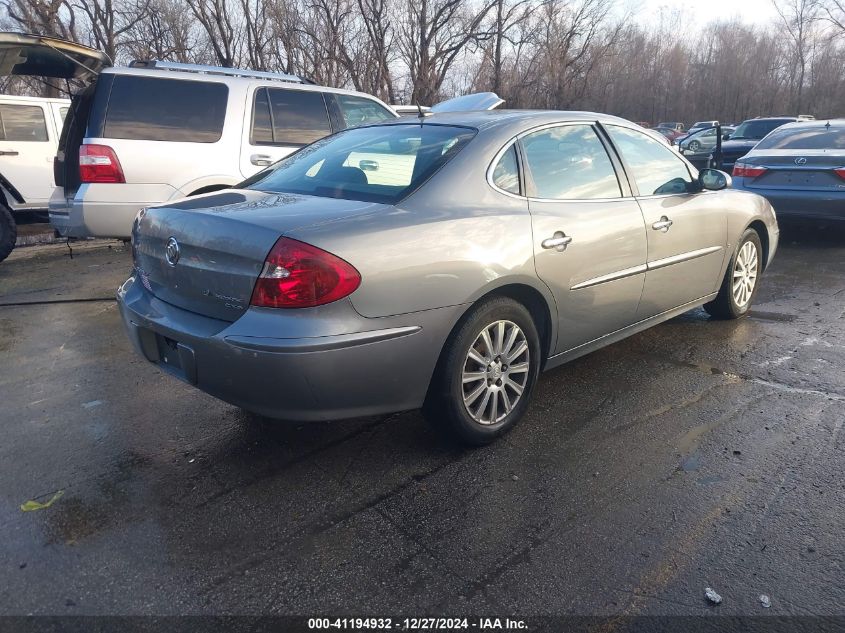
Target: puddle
{"points": [[690, 463], [73, 521]]}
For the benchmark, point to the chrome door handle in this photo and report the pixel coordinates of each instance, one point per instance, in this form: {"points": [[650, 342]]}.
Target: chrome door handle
{"points": [[12, 152], [662, 224], [261, 160], [559, 241]]}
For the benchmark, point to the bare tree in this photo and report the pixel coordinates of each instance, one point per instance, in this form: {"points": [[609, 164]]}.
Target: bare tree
{"points": [[432, 34], [833, 12], [108, 21], [578, 54], [45, 17], [376, 76], [223, 33], [798, 17], [166, 33]]}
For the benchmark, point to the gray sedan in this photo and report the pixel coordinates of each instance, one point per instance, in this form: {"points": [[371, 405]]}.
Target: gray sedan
{"points": [[441, 263]]}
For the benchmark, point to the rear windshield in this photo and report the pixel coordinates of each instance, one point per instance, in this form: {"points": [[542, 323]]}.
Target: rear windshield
{"points": [[153, 109], [371, 164], [804, 138], [756, 129]]}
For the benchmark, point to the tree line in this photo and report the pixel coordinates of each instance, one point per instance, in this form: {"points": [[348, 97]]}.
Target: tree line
{"points": [[560, 54]]}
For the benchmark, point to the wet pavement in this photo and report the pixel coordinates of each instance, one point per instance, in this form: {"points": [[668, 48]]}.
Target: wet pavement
{"points": [[699, 453]]}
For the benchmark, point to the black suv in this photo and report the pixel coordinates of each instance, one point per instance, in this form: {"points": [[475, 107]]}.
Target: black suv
{"points": [[747, 135]]}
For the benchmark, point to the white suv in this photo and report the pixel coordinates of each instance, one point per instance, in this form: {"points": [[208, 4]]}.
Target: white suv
{"points": [[156, 131], [29, 136]]}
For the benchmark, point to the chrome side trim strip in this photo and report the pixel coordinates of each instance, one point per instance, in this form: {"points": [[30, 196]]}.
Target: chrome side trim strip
{"points": [[676, 259], [619, 274]]}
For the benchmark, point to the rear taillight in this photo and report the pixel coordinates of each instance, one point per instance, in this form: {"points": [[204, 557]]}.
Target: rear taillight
{"points": [[98, 163], [298, 275], [840, 172], [741, 170]]}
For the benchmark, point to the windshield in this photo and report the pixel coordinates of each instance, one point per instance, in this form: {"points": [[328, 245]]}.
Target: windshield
{"points": [[816, 137], [757, 129], [370, 164]]}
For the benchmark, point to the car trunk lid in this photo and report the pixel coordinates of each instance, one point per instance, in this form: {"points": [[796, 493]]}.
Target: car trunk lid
{"points": [[218, 242], [813, 170], [469, 103], [40, 56]]}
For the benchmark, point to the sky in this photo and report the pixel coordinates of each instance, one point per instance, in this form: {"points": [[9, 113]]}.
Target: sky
{"points": [[751, 11]]}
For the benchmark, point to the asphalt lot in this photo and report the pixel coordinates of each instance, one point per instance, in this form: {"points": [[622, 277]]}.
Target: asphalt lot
{"points": [[696, 454]]}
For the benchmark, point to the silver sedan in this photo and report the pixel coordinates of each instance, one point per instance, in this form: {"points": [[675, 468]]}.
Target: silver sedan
{"points": [[440, 262]]}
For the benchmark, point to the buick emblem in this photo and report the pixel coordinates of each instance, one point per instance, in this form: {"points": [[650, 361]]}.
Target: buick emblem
{"points": [[171, 253], [801, 161]]}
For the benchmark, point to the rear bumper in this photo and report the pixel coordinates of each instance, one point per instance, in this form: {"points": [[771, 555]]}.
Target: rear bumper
{"points": [[104, 210], [821, 205], [334, 364]]}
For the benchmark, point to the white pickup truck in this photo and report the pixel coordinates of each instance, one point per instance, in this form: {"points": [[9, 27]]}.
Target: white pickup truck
{"points": [[29, 136]]}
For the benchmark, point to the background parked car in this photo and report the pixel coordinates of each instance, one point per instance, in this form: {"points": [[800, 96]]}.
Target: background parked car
{"points": [[747, 135], [29, 137], [671, 134], [156, 131], [674, 125], [702, 141], [799, 168], [696, 127]]}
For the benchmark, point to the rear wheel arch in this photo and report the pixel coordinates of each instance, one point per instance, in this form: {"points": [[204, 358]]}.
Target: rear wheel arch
{"points": [[533, 300], [536, 304]]}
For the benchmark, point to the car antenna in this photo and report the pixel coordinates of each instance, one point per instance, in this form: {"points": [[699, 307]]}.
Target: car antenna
{"points": [[419, 110]]}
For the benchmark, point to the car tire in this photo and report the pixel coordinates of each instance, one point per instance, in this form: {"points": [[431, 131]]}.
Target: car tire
{"points": [[8, 232], [475, 395], [695, 146], [741, 281]]}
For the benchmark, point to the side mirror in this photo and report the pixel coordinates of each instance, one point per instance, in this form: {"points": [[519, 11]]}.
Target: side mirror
{"points": [[713, 180], [726, 136]]}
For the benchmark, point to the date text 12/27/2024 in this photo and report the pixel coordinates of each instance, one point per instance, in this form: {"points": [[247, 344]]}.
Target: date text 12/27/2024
{"points": [[417, 624]]}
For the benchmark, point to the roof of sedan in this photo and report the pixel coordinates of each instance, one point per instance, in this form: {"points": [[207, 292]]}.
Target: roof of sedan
{"points": [[486, 119], [807, 124]]}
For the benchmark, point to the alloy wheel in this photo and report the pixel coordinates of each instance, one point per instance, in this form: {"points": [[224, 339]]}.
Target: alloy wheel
{"points": [[745, 274], [495, 372]]}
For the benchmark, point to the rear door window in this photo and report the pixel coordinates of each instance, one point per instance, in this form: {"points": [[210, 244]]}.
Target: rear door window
{"points": [[360, 111], [22, 123], [154, 109], [288, 117]]}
